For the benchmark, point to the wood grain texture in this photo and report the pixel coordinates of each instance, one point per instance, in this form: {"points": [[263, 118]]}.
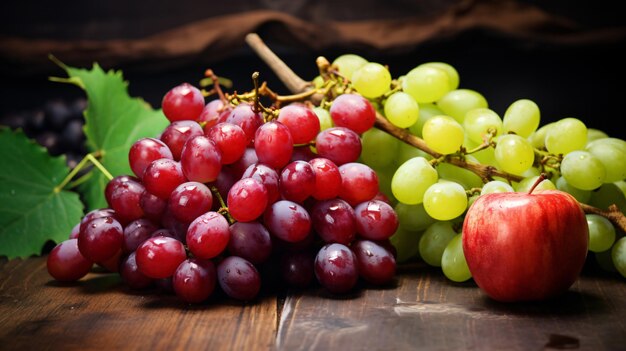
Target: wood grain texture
{"points": [[421, 311], [99, 313], [424, 311]]}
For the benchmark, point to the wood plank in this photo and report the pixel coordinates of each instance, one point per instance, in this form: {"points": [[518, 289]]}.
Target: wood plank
{"points": [[98, 312], [427, 312]]}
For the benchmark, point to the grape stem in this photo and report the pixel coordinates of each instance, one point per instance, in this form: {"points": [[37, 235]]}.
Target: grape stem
{"points": [[223, 208], [91, 157], [297, 85]]}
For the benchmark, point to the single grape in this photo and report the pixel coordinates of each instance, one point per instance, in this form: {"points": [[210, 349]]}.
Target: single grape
{"points": [[159, 256], [443, 134], [514, 154], [453, 263], [522, 117], [297, 181], [66, 263], [288, 221], [445, 200], [194, 280], [230, 140], [247, 200], [434, 241], [336, 268], [347, 64], [426, 83], [359, 183], [125, 200], [411, 180], [334, 221], [612, 155], [93, 214], [601, 233], [583, 170], [354, 112], [338, 144], [324, 118], [376, 264], [457, 103], [479, 121], [496, 186], [162, 177], [211, 113], [189, 200], [201, 159], [401, 110], [116, 182], [568, 134], [183, 102], [251, 241], [302, 122], [101, 239], [413, 218], [327, 179], [375, 220], [273, 144], [208, 235], [238, 278], [371, 80]]}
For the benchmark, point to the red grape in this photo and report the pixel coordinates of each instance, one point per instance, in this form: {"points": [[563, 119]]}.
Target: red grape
{"points": [[182, 102], [66, 263]]}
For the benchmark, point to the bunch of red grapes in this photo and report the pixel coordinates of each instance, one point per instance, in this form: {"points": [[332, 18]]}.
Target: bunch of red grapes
{"points": [[226, 189]]}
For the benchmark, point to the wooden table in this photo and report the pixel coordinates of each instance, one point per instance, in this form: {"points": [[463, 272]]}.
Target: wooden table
{"points": [[423, 311]]}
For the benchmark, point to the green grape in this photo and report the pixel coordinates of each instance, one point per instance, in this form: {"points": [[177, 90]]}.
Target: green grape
{"points": [[456, 103], [496, 186], [569, 134], [406, 243], [595, 134], [538, 138], [619, 143], [580, 195], [479, 121], [371, 80], [472, 199], [378, 148], [514, 154], [401, 110], [601, 233], [411, 180], [348, 64], [522, 117], [445, 200], [465, 177], [612, 156], [453, 74], [407, 152], [527, 183], [583, 170], [426, 83], [426, 111], [434, 241], [443, 134], [608, 194], [324, 116], [618, 253], [453, 263], [413, 217]]}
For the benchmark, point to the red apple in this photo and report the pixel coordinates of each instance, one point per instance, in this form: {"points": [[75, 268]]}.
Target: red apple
{"points": [[525, 246]]}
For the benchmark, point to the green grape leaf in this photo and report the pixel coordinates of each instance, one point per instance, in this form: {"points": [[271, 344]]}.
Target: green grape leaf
{"points": [[113, 122], [32, 210]]}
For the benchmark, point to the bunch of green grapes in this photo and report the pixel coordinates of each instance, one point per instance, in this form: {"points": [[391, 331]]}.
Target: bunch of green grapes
{"points": [[432, 194]]}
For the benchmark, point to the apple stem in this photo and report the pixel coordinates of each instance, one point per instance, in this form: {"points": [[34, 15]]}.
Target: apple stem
{"points": [[540, 179]]}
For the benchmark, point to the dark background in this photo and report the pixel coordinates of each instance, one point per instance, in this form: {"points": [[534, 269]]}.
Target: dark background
{"points": [[570, 62]]}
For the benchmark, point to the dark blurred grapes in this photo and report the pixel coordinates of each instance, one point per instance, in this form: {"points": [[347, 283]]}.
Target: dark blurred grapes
{"points": [[57, 126]]}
